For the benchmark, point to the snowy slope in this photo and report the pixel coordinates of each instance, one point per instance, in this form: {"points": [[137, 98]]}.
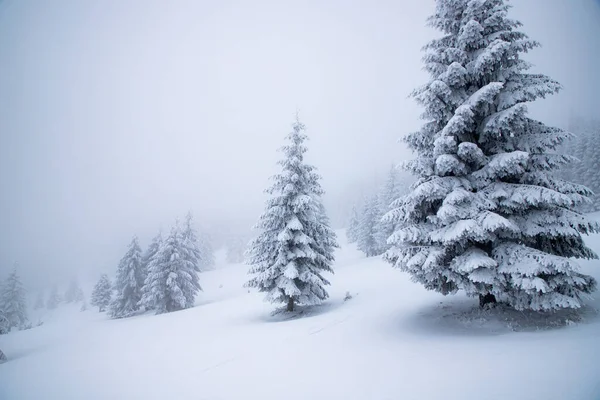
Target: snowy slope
{"points": [[392, 340]]}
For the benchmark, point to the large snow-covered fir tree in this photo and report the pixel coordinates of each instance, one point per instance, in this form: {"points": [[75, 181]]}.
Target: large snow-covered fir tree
{"points": [[102, 293], [295, 246], [128, 282], [172, 281], [488, 214], [13, 301]]}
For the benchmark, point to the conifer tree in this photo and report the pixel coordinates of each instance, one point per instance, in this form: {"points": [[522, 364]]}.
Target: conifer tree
{"points": [[235, 250], [102, 293], [295, 246], [53, 298], [71, 292], [84, 306], [207, 253], [488, 214], [129, 282], [353, 226], [384, 228], [585, 146], [39, 301], [4, 327], [366, 240], [151, 252], [172, 281], [191, 245], [79, 297], [13, 302]]}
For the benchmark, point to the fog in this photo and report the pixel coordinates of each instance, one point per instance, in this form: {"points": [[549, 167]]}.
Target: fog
{"points": [[118, 116]]}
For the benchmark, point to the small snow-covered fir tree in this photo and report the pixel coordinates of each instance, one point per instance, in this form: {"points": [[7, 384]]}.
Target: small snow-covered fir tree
{"points": [[353, 226], [151, 252], [13, 300], [235, 249], [79, 295], [102, 293], [4, 326], [71, 292], [191, 244], [384, 228], [39, 301], [172, 281], [488, 214], [585, 146], [54, 298], [128, 282], [207, 253], [327, 238], [295, 246], [366, 240]]}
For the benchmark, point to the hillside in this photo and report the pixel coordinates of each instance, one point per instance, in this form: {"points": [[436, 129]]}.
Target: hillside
{"points": [[393, 340]]}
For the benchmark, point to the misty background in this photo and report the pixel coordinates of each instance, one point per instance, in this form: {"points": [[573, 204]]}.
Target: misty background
{"points": [[118, 116]]}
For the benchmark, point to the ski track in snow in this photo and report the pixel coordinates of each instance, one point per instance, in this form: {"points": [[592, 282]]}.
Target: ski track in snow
{"points": [[219, 364]]}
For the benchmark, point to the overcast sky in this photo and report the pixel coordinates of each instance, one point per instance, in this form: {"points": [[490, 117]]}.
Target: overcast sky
{"points": [[117, 116]]}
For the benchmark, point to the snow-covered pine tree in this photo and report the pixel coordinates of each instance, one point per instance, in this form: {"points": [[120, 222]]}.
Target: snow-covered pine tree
{"points": [[353, 226], [172, 281], [207, 253], [594, 182], [295, 246], [79, 297], [84, 306], [4, 327], [582, 145], [235, 248], [488, 214], [384, 228], [370, 215], [588, 138], [39, 301], [128, 282], [327, 238], [151, 252], [13, 302], [191, 245], [54, 298], [71, 292], [102, 293]]}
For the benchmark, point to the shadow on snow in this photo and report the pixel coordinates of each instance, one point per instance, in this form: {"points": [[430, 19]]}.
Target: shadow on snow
{"points": [[464, 317]]}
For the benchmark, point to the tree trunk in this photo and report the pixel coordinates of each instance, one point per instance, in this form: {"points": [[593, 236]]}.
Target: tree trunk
{"points": [[486, 299], [290, 304]]}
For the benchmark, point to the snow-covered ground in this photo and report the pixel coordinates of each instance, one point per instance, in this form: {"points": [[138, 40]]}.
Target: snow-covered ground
{"points": [[393, 340]]}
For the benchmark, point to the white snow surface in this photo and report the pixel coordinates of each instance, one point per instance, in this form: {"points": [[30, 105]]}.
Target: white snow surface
{"points": [[393, 340]]}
